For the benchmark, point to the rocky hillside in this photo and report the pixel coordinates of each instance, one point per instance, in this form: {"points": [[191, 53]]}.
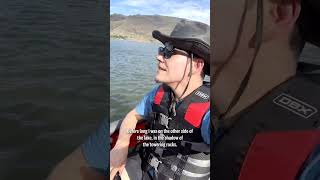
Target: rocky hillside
{"points": [[140, 27]]}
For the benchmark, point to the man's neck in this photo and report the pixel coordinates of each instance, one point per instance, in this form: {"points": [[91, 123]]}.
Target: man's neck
{"points": [[179, 88], [272, 66]]}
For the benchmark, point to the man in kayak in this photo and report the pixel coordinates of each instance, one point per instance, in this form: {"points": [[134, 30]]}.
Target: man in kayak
{"points": [[180, 102], [182, 65], [265, 108]]}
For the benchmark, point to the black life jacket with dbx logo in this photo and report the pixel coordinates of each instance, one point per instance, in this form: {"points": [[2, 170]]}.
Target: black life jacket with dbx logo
{"points": [[290, 107]]}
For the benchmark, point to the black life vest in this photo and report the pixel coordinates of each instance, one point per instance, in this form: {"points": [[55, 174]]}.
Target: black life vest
{"points": [[190, 159], [291, 106]]}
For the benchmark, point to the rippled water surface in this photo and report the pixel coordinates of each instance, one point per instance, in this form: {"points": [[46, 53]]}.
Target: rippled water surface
{"points": [[132, 70], [52, 81]]}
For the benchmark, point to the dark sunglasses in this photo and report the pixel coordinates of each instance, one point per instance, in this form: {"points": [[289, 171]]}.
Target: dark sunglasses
{"points": [[168, 50]]}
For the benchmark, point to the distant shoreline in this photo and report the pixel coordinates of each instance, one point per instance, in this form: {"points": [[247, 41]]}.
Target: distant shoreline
{"points": [[139, 27], [133, 39]]}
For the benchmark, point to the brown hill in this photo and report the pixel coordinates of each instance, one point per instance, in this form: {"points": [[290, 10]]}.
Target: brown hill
{"points": [[140, 27]]}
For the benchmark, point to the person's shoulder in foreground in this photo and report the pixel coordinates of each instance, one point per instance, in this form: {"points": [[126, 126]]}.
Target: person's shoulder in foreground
{"points": [[312, 169], [96, 148], [87, 162]]}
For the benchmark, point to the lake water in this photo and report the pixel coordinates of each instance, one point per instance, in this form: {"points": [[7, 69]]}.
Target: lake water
{"points": [[53, 76], [53, 80], [132, 70]]}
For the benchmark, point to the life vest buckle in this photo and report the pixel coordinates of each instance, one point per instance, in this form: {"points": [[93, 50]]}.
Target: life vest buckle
{"points": [[164, 120], [154, 162]]}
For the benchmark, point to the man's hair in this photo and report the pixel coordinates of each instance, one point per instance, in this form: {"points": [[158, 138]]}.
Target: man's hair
{"points": [[296, 41], [195, 56]]}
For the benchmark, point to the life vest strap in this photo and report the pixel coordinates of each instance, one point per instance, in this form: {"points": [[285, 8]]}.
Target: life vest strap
{"points": [[199, 147]]}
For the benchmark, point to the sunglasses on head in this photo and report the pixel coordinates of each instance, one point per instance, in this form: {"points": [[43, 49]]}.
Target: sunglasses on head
{"points": [[168, 50]]}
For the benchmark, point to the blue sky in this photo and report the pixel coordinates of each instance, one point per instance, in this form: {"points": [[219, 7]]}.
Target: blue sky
{"points": [[198, 10]]}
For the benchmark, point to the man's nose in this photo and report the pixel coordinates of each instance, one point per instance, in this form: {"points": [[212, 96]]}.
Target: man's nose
{"points": [[160, 58]]}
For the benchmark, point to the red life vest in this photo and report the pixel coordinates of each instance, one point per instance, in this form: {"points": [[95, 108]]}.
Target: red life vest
{"points": [[192, 109], [179, 162]]}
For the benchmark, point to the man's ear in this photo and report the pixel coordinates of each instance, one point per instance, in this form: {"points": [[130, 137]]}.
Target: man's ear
{"points": [[281, 18], [285, 14], [199, 64]]}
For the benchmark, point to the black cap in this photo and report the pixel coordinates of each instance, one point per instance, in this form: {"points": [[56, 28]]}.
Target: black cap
{"points": [[189, 36]]}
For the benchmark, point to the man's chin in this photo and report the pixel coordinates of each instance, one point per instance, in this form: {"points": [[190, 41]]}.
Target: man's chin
{"points": [[157, 80], [161, 79]]}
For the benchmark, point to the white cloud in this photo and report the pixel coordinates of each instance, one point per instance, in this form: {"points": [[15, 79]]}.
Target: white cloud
{"points": [[193, 13], [183, 9]]}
